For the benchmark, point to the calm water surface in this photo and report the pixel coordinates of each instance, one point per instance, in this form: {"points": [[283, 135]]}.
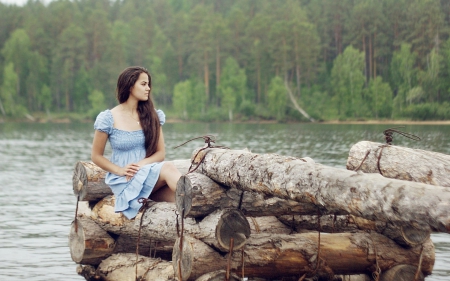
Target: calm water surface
{"points": [[37, 205]]}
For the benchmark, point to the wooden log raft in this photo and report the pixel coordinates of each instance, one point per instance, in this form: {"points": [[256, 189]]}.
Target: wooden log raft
{"points": [[402, 163], [88, 180], [298, 254], [370, 196], [406, 235]]}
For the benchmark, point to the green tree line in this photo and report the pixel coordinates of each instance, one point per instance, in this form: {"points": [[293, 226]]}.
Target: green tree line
{"points": [[231, 60]]}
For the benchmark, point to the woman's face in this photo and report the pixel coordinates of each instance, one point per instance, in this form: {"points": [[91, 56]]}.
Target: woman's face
{"points": [[141, 89]]}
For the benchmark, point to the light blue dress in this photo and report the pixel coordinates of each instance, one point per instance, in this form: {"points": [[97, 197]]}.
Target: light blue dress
{"points": [[128, 147]]}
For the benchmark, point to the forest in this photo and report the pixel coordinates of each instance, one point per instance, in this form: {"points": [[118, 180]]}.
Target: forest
{"points": [[233, 60]]}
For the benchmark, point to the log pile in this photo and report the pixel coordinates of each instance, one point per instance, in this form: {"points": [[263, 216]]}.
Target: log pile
{"points": [[263, 217]]}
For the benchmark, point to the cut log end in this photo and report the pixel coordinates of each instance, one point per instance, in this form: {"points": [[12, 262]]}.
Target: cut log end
{"points": [[183, 195], [232, 225], [182, 258], [77, 242], [402, 272], [413, 236], [79, 178], [89, 243]]}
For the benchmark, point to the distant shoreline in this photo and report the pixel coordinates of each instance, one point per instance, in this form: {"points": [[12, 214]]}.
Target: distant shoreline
{"points": [[399, 122], [65, 120]]}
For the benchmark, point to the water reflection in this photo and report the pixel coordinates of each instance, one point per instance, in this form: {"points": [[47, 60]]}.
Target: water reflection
{"points": [[38, 206]]}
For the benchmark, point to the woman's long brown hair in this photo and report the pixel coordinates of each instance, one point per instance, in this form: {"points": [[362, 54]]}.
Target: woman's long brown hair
{"points": [[147, 114]]}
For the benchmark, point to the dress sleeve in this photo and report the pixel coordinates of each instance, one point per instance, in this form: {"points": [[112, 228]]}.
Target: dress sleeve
{"points": [[161, 116], [104, 122]]}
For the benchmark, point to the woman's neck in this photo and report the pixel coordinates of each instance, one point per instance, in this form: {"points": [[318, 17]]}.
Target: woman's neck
{"points": [[129, 107]]}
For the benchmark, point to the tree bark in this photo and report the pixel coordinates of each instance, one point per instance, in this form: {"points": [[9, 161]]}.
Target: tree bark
{"points": [[122, 267], [402, 163], [89, 180], [297, 254], [199, 196], [407, 235], [369, 196]]}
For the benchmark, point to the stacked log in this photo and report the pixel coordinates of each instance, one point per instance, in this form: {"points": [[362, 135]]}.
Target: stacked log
{"points": [[265, 217], [399, 162]]}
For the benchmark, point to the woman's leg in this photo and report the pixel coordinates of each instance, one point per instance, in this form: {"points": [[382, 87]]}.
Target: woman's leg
{"points": [[166, 185]]}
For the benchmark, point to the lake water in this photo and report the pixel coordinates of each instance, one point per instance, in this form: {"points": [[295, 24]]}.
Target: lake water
{"points": [[37, 204]]}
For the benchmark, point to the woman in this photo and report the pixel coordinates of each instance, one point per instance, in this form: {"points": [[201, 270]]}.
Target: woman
{"points": [[136, 168]]}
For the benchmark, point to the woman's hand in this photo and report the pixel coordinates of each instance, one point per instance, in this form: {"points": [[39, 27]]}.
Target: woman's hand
{"points": [[129, 170]]}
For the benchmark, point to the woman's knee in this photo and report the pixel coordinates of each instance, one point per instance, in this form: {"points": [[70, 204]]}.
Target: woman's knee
{"points": [[169, 168]]}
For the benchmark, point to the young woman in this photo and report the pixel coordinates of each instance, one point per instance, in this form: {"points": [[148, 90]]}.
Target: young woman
{"points": [[133, 128]]}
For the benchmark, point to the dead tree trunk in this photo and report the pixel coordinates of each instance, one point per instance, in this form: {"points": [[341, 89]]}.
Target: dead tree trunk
{"points": [[197, 195], [370, 196], [402, 163], [407, 235], [298, 254], [88, 180]]}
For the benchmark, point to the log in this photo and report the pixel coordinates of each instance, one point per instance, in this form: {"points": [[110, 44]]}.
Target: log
{"points": [[89, 243], [191, 258], [88, 272], [279, 256], [159, 224], [406, 235], [268, 224], [151, 247], [198, 195], [359, 277], [402, 272], [399, 162], [122, 267], [218, 275], [159, 230], [370, 196], [231, 225], [88, 180]]}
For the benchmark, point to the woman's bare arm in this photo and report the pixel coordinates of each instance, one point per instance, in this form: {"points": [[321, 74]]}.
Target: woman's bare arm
{"points": [[160, 153]]}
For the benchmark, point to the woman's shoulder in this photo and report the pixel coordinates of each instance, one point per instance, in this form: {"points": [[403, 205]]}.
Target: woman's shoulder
{"points": [[161, 116], [104, 121]]}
